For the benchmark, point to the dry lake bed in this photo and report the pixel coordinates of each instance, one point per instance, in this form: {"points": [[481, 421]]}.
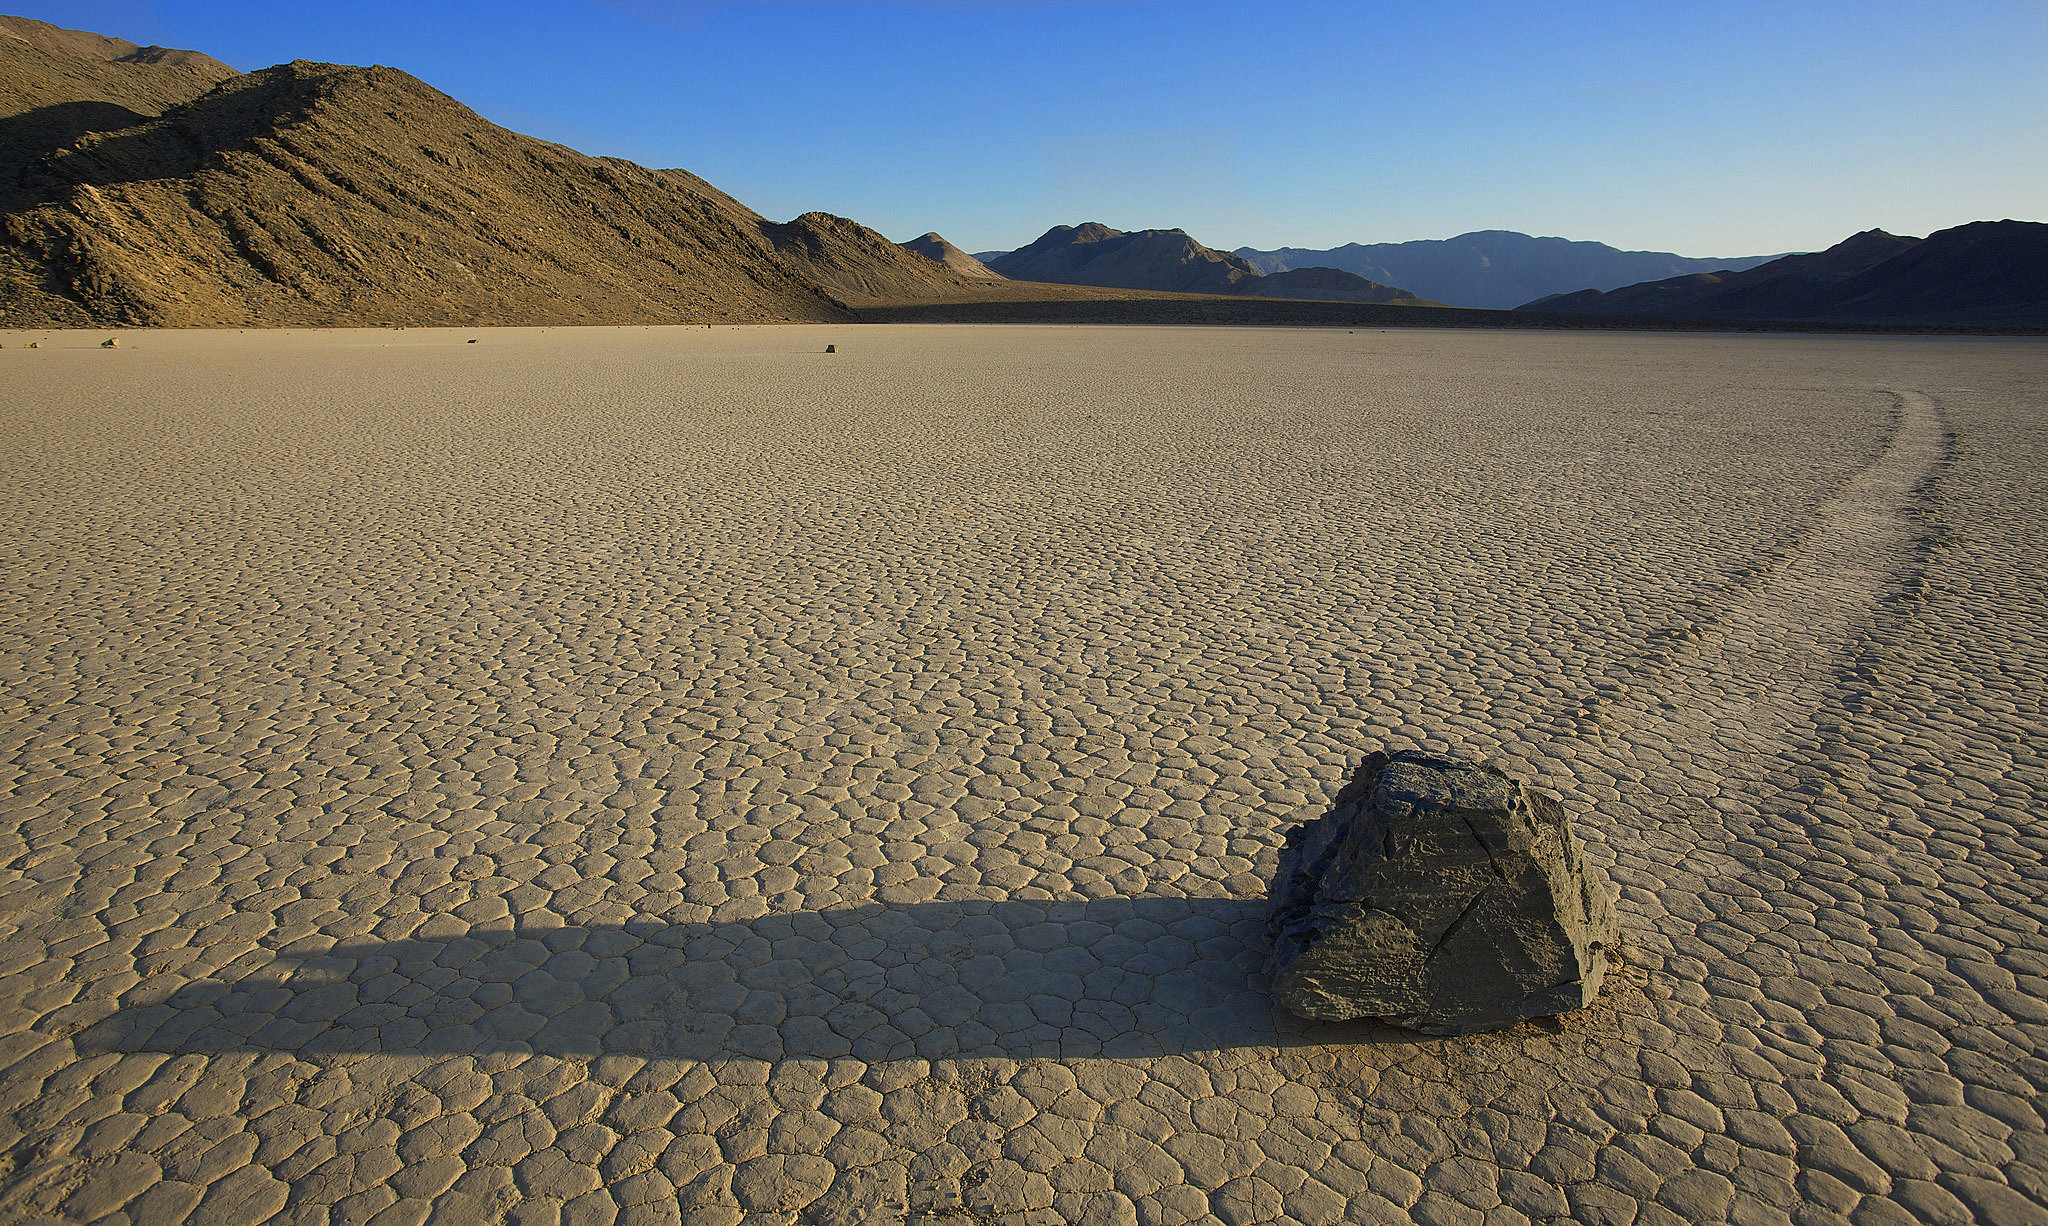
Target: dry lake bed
{"points": [[656, 775]]}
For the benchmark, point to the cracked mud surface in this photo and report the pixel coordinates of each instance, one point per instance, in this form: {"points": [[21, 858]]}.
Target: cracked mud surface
{"points": [[655, 775]]}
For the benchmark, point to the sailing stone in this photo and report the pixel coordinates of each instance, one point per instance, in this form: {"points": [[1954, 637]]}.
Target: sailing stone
{"points": [[1441, 896]]}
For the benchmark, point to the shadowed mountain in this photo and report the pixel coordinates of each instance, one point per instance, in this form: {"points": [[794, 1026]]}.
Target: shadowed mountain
{"points": [[1328, 285], [1988, 273], [323, 194], [59, 85], [1492, 268], [1784, 288], [1094, 254], [933, 247]]}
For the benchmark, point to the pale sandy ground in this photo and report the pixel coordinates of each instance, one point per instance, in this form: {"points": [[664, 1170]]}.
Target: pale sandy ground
{"points": [[641, 775]]}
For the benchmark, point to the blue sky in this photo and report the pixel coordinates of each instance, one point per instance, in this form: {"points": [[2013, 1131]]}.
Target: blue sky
{"points": [[1707, 129]]}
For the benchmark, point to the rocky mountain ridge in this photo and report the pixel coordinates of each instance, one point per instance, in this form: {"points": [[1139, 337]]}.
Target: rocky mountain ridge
{"points": [[154, 191]]}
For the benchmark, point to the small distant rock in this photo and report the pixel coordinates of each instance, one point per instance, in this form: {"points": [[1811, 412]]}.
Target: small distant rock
{"points": [[112, 342], [472, 340], [1438, 895], [831, 349]]}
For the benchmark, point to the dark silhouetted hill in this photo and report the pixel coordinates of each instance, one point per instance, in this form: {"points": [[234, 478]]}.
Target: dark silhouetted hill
{"points": [[1987, 273]]}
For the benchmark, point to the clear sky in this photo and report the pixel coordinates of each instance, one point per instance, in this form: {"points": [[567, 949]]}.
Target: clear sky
{"points": [[1710, 128]]}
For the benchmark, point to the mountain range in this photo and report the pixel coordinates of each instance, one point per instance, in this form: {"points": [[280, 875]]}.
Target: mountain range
{"points": [[151, 186], [1497, 269], [1987, 273]]}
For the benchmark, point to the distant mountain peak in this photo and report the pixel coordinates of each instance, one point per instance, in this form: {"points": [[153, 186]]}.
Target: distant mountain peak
{"points": [[933, 246], [1868, 238], [1095, 254], [1086, 232]]}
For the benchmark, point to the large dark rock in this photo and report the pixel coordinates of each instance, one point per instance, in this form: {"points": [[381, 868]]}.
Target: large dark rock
{"points": [[1438, 895]]}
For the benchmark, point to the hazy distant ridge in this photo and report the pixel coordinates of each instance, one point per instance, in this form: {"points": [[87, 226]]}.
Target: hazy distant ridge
{"points": [[1495, 268]]}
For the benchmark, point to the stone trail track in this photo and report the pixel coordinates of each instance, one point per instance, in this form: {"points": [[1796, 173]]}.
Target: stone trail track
{"points": [[664, 775]]}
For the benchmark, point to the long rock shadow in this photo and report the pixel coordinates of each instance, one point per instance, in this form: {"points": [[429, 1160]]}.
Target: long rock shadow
{"points": [[1106, 977]]}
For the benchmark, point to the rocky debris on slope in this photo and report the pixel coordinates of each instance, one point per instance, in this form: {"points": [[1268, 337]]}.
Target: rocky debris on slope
{"points": [[1441, 896], [934, 247], [332, 195]]}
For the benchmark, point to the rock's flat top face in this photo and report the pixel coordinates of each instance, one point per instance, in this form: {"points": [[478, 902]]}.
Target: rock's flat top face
{"points": [[597, 769], [1442, 784]]}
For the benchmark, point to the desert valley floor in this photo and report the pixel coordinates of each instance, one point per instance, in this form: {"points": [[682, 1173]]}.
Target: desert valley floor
{"points": [[655, 775]]}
